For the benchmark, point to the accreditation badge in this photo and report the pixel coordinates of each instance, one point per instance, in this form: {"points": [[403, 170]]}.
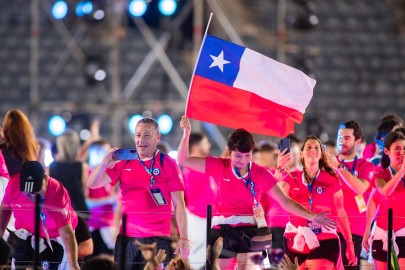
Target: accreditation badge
{"points": [[258, 214], [361, 203], [157, 196]]}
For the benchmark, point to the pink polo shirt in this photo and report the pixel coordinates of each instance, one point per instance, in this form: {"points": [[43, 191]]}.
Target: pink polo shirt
{"points": [[3, 167], [234, 198], [200, 191], [144, 217], [364, 170], [324, 188], [57, 207], [394, 201]]}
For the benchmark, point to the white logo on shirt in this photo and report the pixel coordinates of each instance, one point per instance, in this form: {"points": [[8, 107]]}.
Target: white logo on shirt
{"points": [[226, 179], [128, 169]]}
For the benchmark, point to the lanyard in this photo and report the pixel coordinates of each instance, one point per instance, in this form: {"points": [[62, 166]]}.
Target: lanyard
{"points": [[393, 173], [248, 182], [353, 170], [310, 187], [149, 170], [42, 216]]}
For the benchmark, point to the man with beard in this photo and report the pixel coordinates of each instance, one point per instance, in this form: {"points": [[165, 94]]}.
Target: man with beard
{"points": [[355, 174]]}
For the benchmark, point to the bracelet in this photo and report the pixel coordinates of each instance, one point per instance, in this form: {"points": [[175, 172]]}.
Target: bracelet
{"points": [[185, 239]]}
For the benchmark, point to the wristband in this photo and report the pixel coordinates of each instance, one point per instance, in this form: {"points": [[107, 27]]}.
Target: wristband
{"points": [[185, 239]]}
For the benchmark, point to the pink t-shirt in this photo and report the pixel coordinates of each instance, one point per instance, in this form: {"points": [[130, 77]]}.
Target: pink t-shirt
{"points": [[144, 217], [3, 167], [101, 215], [57, 207], [276, 216], [324, 188], [364, 170], [394, 201], [200, 191], [234, 198]]}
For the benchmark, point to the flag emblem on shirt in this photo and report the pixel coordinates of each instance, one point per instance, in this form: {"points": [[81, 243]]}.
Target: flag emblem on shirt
{"points": [[319, 190], [236, 87], [156, 171]]}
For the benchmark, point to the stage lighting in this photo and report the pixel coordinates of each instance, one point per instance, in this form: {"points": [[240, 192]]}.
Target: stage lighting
{"points": [[59, 10], [133, 121], [94, 69], [57, 125], [165, 124], [84, 8], [167, 7], [137, 7]]}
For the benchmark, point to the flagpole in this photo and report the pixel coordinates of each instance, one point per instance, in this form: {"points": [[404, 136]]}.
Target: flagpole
{"points": [[198, 57]]}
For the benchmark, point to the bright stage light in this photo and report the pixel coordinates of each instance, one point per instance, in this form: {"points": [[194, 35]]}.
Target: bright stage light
{"points": [[57, 125], [59, 10], [167, 7], [84, 8], [133, 121], [165, 124], [137, 7]]}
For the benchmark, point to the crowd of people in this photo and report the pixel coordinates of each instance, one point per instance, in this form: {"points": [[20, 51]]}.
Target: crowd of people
{"points": [[315, 205]]}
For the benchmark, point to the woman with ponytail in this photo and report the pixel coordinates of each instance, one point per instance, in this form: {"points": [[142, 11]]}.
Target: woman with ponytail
{"points": [[389, 192], [317, 188]]}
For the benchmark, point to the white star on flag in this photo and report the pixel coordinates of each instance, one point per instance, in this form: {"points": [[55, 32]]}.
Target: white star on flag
{"points": [[219, 61]]}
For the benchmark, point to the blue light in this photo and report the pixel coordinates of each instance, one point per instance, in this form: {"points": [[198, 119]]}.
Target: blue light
{"points": [[57, 125], [167, 7], [59, 10], [133, 121], [165, 124], [84, 8], [137, 7]]}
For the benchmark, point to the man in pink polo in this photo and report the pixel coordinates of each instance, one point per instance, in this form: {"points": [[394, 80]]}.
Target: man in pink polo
{"points": [[149, 185], [355, 174], [57, 223]]}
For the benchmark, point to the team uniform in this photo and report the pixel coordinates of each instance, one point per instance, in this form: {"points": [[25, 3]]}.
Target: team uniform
{"points": [[56, 212], [235, 201], [319, 242], [200, 191], [4, 176], [355, 204], [146, 221], [102, 221], [276, 218], [394, 201]]}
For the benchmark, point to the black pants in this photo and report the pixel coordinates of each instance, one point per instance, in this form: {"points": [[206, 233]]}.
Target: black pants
{"points": [[357, 240], [24, 253], [133, 257]]}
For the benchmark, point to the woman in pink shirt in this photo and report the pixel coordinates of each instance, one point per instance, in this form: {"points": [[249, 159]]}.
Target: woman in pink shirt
{"points": [[317, 188], [389, 192], [239, 217]]}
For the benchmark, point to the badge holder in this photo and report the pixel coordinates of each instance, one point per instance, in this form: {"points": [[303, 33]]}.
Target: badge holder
{"points": [[317, 229], [258, 214], [157, 196], [361, 203]]}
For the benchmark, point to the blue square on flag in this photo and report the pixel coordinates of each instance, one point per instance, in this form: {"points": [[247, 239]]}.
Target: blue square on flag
{"points": [[219, 60]]}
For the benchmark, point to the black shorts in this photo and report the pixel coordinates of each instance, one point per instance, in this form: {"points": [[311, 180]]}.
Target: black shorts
{"points": [[239, 239], [381, 255], [357, 240], [328, 249], [133, 257]]}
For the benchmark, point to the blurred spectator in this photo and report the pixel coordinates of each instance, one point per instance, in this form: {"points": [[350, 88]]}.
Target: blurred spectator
{"points": [[100, 262], [268, 153], [71, 172]]}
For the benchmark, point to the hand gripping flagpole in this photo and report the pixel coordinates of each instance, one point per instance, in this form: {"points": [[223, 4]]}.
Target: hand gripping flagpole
{"points": [[198, 57]]}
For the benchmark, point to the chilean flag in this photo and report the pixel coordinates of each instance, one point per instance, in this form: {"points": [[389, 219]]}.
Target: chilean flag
{"points": [[236, 87]]}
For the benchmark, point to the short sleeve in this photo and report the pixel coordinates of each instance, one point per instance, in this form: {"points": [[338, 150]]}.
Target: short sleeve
{"points": [[114, 172]]}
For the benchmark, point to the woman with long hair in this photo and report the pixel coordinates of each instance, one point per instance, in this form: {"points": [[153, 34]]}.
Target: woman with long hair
{"points": [[317, 188], [389, 192], [19, 141]]}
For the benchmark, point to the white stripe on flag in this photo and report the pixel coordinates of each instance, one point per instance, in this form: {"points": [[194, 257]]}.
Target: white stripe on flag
{"points": [[274, 81]]}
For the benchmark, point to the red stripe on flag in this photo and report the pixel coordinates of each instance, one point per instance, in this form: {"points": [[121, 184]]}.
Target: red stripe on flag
{"points": [[213, 102]]}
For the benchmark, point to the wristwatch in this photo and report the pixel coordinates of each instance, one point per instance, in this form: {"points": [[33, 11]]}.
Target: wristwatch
{"points": [[341, 167]]}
